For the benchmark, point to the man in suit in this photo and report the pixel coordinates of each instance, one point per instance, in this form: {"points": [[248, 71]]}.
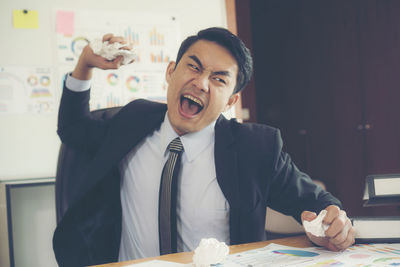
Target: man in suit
{"points": [[230, 172]]}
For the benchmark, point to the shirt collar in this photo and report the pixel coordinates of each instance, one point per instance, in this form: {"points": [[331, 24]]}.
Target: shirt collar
{"points": [[193, 143]]}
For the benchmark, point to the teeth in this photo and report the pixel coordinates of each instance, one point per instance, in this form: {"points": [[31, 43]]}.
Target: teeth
{"points": [[194, 100]]}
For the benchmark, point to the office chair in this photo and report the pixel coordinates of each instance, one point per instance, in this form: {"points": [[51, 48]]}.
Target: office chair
{"points": [[70, 165], [279, 225]]}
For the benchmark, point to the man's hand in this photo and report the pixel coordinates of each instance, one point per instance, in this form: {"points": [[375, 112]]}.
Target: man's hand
{"points": [[88, 60], [339, 235]]}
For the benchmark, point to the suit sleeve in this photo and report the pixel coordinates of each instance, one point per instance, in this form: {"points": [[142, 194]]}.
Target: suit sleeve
{"points": [[292, 191], [76, 127]]}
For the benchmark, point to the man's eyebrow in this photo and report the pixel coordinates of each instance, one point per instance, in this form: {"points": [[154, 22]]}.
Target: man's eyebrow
{"points": [[197, 60], [222, 72]]}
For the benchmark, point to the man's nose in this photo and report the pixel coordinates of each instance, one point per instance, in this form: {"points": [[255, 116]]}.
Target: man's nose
{"points": [[202, 82]]}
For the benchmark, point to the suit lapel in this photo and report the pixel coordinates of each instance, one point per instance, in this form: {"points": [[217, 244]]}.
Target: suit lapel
{"points": [[227, 171]]}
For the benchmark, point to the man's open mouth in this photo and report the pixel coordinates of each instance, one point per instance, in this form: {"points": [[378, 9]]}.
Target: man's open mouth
{"points": [[191, 105]]}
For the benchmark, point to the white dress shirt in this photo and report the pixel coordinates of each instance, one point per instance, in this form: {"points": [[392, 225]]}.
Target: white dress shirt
{"points": [[202, 210]]}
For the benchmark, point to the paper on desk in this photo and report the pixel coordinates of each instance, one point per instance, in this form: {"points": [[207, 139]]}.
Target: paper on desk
{"points": [[158, 263], [275, 255]]}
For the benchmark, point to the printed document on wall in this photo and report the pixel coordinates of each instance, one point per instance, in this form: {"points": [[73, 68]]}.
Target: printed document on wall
{"points": [[26, 90], [155, 39]]}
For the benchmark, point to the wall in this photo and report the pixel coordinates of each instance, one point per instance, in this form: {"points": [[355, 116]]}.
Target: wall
{"points": [[28, 142]]}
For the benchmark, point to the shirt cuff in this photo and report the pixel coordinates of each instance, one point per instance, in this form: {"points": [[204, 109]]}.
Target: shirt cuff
{"points": [[76, 85]]}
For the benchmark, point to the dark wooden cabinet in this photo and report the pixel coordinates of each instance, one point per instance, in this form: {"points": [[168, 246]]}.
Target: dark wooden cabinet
{"points": [[327, 73]]}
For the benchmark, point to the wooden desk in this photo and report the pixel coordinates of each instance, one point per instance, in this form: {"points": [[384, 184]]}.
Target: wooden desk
{"points": [[186, 257]]}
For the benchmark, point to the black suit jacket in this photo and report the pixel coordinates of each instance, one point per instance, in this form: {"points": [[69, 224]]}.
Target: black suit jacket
{"points": [[252, 171]]}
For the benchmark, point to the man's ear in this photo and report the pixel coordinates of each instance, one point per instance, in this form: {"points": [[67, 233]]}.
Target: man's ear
{"points": [[170, 70], [232, 101]]}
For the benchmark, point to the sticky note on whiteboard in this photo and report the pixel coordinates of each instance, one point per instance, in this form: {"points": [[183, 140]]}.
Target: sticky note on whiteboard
{"points": [[65, 22], [25, 19]]}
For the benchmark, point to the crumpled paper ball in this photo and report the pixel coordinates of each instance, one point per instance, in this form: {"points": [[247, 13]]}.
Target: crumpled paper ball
{"points": [[210, 251], [316, 226], [111, 51]]}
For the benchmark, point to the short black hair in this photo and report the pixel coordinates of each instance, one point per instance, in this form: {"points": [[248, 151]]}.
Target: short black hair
{"points": [[229, 41]]}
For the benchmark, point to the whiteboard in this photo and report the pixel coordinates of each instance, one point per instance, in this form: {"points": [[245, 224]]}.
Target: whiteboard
{"points": [[28, 141]]}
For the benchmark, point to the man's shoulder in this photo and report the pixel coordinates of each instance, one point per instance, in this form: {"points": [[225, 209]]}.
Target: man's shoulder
{"points": [[248, 128], [138, 111], [250, 139], [141, 109], [144, 105], [247, 136]]}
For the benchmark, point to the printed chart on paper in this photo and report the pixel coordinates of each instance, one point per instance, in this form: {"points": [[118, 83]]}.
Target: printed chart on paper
{"points": [[275, 255]]}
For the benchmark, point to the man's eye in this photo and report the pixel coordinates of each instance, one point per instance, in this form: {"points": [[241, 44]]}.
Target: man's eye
{"points": [[193, 67], [220, 80]]}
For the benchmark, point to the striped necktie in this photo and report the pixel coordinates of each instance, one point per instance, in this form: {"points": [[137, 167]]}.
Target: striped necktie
{"points": [[167, 199]]}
